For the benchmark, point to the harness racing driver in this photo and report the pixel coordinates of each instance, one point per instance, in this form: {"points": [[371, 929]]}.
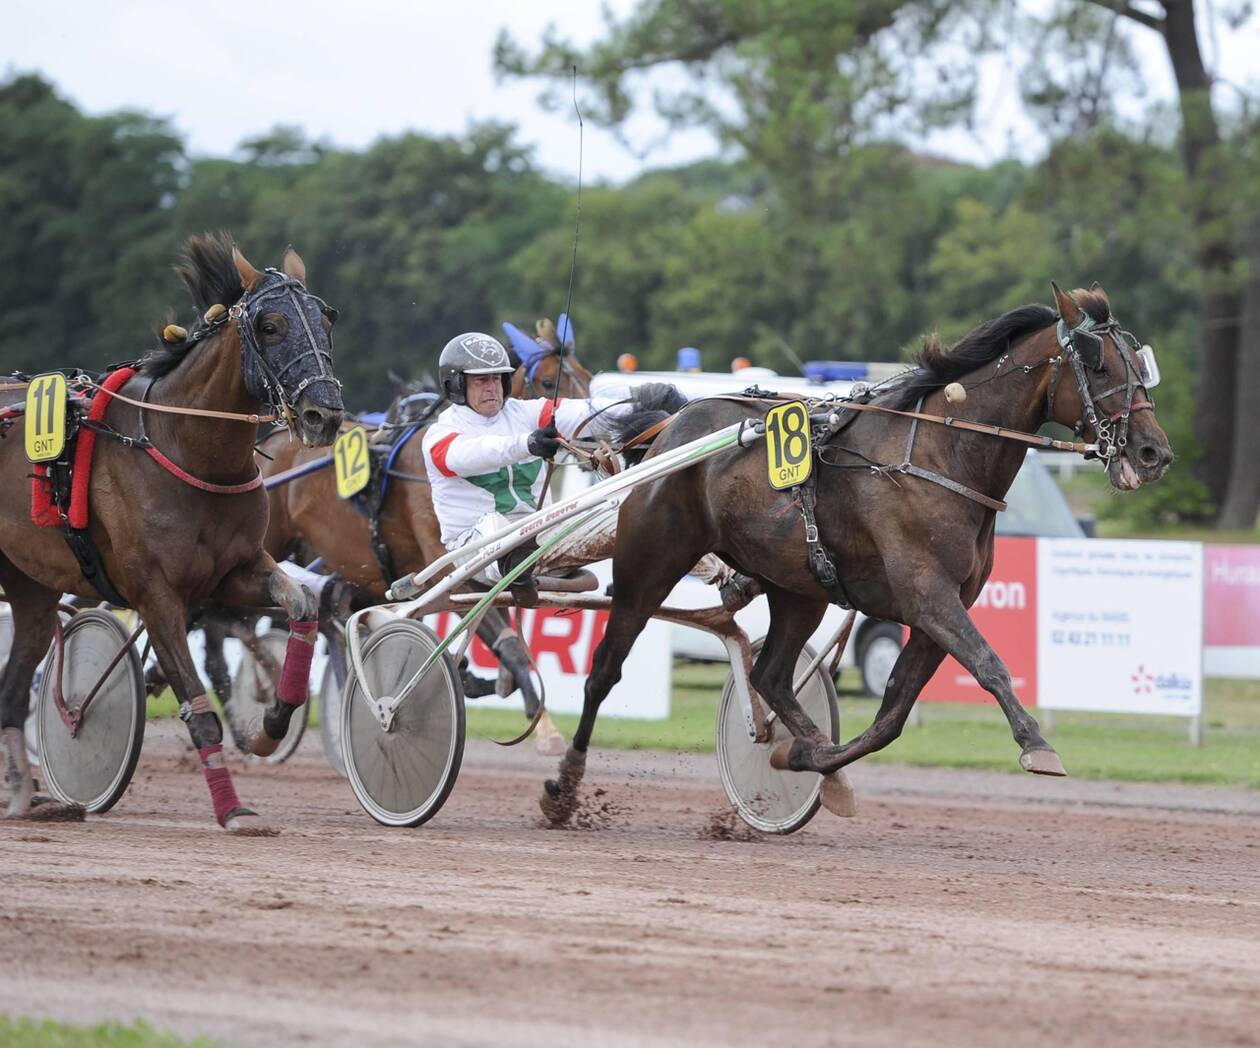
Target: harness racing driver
{"points": [[484, 455]]}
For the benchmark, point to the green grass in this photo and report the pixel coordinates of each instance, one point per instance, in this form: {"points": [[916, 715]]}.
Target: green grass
{"points": [[1092, 745], [33, 1033]]}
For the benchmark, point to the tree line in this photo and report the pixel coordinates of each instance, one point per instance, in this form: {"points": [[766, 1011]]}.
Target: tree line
{"points": [[815, 241]]}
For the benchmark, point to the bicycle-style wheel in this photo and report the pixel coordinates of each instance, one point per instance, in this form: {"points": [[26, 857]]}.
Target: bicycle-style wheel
{"points": [[330, 718], [254, 689], [93, 766], [403, 775], [770, 800]]}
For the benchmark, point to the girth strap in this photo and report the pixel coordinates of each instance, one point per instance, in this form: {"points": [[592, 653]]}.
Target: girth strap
{"points": [[821, 566]]}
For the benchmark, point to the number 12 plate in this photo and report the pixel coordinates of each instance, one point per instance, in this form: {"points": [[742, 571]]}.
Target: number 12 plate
{"points": [[350, 459], [787, 445]]}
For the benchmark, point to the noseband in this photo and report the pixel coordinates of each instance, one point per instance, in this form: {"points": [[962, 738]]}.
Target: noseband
{"points": [[1111, 429]]}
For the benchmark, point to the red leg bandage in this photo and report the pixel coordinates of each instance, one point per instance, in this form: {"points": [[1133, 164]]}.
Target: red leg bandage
{"points": [[219, 779], [295, 676]]}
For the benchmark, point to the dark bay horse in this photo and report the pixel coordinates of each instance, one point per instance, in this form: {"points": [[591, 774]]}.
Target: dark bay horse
{"points": [[906, 548], [168, 540], [307, 515]]}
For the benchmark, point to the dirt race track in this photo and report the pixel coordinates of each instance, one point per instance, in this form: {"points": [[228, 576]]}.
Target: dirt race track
{"points": [[958, 908]]}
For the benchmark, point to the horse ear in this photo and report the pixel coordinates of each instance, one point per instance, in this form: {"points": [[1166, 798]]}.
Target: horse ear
{"points": [[249, 275], [1068, 309], [522, 344], [565, 329], [292, 264], [547, 331], [1095, 286]]}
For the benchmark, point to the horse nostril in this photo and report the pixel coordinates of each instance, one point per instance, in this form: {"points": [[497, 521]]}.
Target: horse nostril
{"points": [[312, 418], [1150, 456]]}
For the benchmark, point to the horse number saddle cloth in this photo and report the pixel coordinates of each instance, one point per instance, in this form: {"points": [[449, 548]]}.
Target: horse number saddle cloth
{"points": [[59, 489]]}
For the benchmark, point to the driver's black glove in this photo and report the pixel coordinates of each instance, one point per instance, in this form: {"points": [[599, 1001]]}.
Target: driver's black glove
{"points": [[544, 442]]}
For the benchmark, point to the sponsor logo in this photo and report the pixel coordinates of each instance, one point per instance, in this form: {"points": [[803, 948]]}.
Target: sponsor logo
{"points": [[1003, 595], [1169, 685]]}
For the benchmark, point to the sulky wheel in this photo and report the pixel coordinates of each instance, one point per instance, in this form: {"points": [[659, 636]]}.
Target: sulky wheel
{"points": [[403, 775], [767, 799], [330, 717], [93, 766], [254, 689]]}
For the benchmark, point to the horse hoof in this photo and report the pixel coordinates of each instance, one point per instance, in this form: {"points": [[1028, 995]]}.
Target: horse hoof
{"points": [[246, 823], [547, 738], [781, 755], [45, 809], [837, 795], [556, 806], [1041, 762]]}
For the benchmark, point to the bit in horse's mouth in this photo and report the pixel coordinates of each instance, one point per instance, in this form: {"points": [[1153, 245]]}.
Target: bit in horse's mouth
{"points": [[1125, 477]]}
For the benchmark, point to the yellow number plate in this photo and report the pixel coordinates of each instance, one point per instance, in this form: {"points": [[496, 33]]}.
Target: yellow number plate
{"points": [[46, 417], [787, 445], [350, 458]]}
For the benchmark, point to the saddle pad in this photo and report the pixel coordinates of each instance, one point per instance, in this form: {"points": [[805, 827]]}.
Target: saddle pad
{"points": [[43, 512]]}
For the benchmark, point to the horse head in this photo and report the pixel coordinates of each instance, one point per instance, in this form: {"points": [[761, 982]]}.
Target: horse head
{"points": [[286, 347], [1102, 388], [549, 367]]}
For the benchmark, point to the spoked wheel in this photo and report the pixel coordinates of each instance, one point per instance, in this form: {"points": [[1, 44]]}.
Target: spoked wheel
{"points": [[767, 799], [330, 716], [254, 689], [93, 766], [403, 776]]}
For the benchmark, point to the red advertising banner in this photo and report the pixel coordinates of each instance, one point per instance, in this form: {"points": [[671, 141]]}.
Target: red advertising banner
{"points": [[1006, 613], [1231, 596]]}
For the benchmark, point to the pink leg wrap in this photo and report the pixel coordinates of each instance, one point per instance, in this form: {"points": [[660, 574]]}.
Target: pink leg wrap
{"points": [[295, 676], [222, 792]]}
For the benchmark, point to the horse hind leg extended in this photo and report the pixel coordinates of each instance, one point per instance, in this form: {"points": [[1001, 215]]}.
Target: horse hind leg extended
{"points": [[34, 618]]}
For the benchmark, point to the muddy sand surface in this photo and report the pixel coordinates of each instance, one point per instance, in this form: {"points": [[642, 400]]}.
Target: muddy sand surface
{"points": [[957, 908]]}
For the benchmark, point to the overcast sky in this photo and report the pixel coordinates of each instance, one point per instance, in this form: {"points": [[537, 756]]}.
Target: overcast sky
{"points": [[350, 72]]}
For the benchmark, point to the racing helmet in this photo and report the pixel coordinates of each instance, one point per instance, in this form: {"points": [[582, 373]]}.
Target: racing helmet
{"points": [[473, 354]]}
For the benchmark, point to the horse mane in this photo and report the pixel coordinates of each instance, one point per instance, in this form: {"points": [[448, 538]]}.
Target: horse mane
{"points": [[936, 366], [653, 402], [210, 274]]}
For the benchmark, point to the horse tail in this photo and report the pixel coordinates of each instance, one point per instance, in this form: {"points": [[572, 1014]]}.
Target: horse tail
{"points": [[651, 404]]}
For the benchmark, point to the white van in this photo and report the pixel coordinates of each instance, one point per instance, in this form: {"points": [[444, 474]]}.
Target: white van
{"points": [[1036, 508]]}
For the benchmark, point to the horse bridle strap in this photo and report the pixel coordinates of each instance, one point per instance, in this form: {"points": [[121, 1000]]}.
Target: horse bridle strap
{"points": [[172, 409]]}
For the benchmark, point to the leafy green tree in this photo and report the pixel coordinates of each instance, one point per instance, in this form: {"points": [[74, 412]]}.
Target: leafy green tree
{"points": [[85, 204]]}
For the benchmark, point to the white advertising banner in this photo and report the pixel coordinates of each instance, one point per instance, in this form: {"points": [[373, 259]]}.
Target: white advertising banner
{"points": [[563, 645], [1120, 626]]}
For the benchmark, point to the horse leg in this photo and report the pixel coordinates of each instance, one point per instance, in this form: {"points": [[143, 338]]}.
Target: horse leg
{"points": [[643, 575], [34, 618], [166, 618], [260, 583], [914, 667], [216, 632], [946, 621], [792, 619]]}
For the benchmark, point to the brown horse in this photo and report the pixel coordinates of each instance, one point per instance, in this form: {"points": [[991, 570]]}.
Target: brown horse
{"points": [[306, 515], [908, 548], [166, 538]]}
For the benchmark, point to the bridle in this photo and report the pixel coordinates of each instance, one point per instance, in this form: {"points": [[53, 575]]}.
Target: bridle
{"points": [[564, 355], [262, 380], [1082, 347]]}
